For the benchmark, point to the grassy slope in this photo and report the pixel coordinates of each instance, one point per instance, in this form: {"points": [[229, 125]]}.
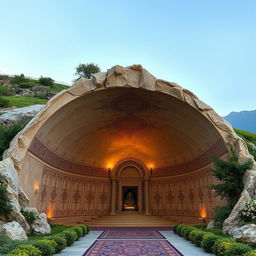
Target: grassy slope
{"points": [[22, 101], [249, 136]]}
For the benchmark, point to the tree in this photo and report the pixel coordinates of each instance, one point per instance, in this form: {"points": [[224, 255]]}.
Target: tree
{"points": [[86, 70], [230, 172], [46, 81]]}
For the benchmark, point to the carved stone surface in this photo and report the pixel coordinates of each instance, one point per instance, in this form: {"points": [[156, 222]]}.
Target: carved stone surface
{"points": [[14, 231]]}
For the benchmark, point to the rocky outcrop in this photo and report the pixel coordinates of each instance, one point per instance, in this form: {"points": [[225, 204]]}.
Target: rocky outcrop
{"points": [[14, 231], [11, 180], [40, 226], [245, 234], [19, 114]]}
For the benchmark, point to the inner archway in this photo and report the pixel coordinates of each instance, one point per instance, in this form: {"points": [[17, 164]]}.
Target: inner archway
{"points": [[124, 130]]}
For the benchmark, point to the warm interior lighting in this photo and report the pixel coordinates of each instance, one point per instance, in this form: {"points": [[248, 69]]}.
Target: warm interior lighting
{"points": [[203, 211], [36, 188], [49, 212]]}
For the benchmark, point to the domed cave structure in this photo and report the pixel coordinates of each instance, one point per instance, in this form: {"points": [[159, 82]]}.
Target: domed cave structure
{"points": [[124, 132]]}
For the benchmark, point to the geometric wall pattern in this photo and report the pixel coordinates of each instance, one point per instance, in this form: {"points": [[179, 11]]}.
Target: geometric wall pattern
{"points": [[183, 195], [68, 195]]}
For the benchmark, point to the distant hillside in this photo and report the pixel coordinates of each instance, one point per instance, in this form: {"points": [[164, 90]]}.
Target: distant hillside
{"points": [[244, 120]]}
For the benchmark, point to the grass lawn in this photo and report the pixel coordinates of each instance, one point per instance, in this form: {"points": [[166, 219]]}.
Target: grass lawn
{"points": [[22, 101], [246, 135]]}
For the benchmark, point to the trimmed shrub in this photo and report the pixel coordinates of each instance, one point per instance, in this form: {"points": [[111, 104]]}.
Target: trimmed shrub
{"points": [[222, 245], [70, 236], [84, 228], [198, 238], [61, 242], [209, 241], [30, 216], [45, 246], [193, 233], [175, 228], [251, 253], [179, 229], [78, 230], [187, 231], [237, 249], [29, 249], [182, 230]]}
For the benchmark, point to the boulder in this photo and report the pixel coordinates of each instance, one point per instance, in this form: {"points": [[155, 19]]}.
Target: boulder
{"points": [[210, 224], [23, 199], [245, 234], [19, 114], [14, 231], [41, 226], [11, 180]]}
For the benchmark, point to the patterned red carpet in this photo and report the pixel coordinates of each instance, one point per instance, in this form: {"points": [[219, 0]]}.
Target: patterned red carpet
{"points": [[131, 234], [132, 242]]}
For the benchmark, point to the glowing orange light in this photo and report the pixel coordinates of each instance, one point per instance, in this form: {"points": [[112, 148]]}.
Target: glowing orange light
{"points": [[203, 211], [49, 212], [36, 188]]}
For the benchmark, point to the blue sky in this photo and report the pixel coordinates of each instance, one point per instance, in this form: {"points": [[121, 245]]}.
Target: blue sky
{"points": [[207, 46]]}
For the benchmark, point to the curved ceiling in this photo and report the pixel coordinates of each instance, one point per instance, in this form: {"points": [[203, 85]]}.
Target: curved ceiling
{"points": [[107, 126]]}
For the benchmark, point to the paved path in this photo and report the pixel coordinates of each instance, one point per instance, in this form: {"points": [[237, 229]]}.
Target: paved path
{"points": [[182, 245]]}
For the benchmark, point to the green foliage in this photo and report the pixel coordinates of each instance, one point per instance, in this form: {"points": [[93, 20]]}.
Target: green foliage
{"points": [[248, 212], [193, 233], [248, 136], [237, 249], [45, 247], [78, 230], [29, 215], [221, 245], [28, 84], [29, 249], [18, 79], [251, 253], [7, 133], [175, 228], [86, 70], [42, 96], [5, 91], [84, 228], [70, 236], [23, 101], [198, 237], [220, 214], [5, 203], [180, 226], [209, 241], [230, 172], [187, 232], [217, 232], [61, 242], [46, 81], [57, 228], [4, 103]]}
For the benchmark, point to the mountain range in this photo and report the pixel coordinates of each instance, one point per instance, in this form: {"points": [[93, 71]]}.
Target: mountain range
{"points": [[243, 120]]}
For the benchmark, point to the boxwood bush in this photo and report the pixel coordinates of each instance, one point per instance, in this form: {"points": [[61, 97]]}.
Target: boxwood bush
{"points": [[193, 233], [237, 249], [29, 249], [198, 237], [61, 242], [70, 236], [222, 245], [209, 241], [78, 230], [175, 228], [45, 246], [84, 228], [187, 231]]}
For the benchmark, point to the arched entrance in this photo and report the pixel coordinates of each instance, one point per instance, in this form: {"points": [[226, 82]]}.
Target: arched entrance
{"points": [[124, 113], [129, 188]]}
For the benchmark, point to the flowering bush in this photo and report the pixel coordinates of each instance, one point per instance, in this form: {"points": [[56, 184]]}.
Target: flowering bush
{"points": [[248, 212]]}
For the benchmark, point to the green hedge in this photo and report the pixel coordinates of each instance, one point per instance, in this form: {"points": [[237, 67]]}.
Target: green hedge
{"points": [[210, 242]]}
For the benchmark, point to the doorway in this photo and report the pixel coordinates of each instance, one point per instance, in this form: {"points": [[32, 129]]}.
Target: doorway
{"points": [[130, 198]]}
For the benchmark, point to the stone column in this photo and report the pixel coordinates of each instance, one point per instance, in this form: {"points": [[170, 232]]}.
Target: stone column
{"points": [[113, 197], [146, 197]]}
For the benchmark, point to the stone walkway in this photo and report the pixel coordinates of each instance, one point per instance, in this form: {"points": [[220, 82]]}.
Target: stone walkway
{"points": [[183, 246]]}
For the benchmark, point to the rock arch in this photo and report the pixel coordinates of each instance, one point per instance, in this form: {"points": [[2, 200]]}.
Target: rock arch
{"points": [[180, 133]]}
